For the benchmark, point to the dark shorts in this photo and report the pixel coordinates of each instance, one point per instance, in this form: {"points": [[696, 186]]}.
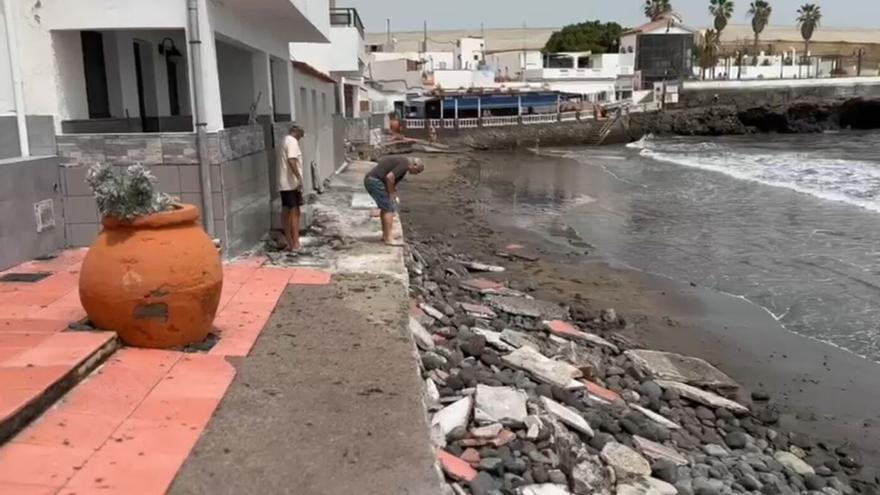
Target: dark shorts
{"points": [[292, 199], [379, 192]]}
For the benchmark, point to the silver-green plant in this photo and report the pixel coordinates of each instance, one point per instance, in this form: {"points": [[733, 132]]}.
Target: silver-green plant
{"points": [[127, 193]]}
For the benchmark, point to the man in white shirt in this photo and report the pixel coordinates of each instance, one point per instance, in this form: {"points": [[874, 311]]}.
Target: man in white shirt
{"points": [[290, 185]]}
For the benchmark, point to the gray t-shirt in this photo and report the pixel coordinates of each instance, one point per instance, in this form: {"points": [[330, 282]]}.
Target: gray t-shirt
{"points": [[396, 164]]}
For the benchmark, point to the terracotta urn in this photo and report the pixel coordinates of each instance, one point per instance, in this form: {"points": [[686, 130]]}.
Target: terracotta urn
{"points": [[154, 280]]}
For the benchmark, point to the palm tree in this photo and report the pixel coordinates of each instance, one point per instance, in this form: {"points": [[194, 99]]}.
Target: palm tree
{"points": [[707, 49], [808, 19], [656, 9], [760, 11], [721, 10]]}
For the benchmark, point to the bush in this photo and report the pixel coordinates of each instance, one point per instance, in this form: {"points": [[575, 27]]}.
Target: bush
{"points": [[127, 194]]}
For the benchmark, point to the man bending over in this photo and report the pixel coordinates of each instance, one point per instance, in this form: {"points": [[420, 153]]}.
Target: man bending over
{"points": [[381, 182]]}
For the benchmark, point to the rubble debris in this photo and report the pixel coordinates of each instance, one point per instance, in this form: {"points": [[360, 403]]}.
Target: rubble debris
{"points": [[684, 369], [567, 416], [423, 339], [626, 462], [703, 397], [475, 266], [532, 308], [478, 310], [453, 416], [505, 405], [541, 367]]}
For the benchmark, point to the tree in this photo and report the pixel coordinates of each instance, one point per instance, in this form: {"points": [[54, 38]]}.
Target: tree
{"points": [[721, 10], [593, 36], [760, 11], [657, 9], [808, 19], [707, 49]]}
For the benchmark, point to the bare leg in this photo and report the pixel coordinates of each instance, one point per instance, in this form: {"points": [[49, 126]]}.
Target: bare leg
{"points": [[285, 224], [387, 222], [294, 229]]}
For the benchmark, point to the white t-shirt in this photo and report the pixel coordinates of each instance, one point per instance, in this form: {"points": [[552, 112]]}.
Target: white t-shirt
{"points": [[289, 149]]}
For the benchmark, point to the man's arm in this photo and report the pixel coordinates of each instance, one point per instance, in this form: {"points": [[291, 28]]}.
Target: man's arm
{"points": [[293, 163], [391, 186]]}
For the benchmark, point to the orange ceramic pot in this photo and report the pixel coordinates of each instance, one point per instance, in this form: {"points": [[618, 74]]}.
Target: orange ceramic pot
{"points": [[394, 125], [155, 280]]}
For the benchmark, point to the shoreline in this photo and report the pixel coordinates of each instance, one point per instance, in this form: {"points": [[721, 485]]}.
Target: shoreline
{"points": [[669, 315]]}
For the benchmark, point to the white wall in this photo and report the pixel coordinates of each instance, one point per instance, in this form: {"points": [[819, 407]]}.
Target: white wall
{"points": [[235, 67], [455, 79], [584, 88], [628, 43], [342, 54], [469, 52], [315, 114], [394, 71], [7, 97]]}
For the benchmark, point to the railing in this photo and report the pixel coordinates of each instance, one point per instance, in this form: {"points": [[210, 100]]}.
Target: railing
{"points": [[449, 123], [499, 121], [541, 118], [568, 116], [347, 17], [414, 123], [435, 123], [468, 123]]}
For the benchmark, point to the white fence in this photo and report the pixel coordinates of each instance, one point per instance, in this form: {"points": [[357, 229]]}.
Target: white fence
{"points": [[568, 116], [499, 121], [414, 123], [449, 123], [435, 123], [541, 118], [468, 123]]}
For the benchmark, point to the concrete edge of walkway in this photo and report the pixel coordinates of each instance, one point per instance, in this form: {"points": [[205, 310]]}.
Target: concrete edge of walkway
{"points": [[49, 396]]}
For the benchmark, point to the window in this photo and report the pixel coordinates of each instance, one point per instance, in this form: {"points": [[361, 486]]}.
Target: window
{"points": [[412, 66]]}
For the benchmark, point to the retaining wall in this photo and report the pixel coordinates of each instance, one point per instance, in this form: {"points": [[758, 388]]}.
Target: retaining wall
{"points": [[749, 94]]}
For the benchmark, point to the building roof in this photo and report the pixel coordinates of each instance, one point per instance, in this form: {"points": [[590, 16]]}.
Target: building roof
{"points": [[666, 22], [308, 69], [738, 32], [507, 39]]}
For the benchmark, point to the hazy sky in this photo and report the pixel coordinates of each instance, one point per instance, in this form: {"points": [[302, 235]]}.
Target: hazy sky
{"points": [[407, 15]]}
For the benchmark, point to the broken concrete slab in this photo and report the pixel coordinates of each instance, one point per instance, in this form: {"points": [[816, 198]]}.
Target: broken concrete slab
{"points": [[599, 392], [431, 390], [568, 416], [544, 489], [362, 201], [626, 462], [703, 397], [656, 417], [532, 308], [590, 477], [453, 416], [568, 331], [646, 486], [423, 338], [684, 369], [431, 311], [488, 431], [516, 339], [476, 266], [478, 310], [456, 468], [657, 451], [505, 405], [493, 339], [481, 285], [793, 462], [543, 368]]}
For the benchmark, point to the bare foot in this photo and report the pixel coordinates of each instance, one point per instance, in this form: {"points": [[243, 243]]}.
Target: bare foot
{"points": [[395, 243]]}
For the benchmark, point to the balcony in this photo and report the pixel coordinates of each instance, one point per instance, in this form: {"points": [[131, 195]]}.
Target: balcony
{"points": [[346, 17]]}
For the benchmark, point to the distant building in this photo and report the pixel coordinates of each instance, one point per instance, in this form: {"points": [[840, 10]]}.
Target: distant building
{"points": [[663, 49], [600, 77]]}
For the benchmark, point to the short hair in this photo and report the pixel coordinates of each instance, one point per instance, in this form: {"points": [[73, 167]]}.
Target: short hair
{"points": [[418, 163], [295, 127]]}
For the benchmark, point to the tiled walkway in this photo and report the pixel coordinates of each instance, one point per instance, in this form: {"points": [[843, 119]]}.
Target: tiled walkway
{"points": [[129, 426]]}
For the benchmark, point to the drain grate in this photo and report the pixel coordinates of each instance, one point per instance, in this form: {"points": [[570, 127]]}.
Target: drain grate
{"points": [[24, 277]]}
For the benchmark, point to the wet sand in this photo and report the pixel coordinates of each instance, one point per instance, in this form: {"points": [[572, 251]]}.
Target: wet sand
{"points": [[828, 394]]}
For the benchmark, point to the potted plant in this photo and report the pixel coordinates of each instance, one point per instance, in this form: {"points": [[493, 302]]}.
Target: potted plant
{"points": [[152, 275]]}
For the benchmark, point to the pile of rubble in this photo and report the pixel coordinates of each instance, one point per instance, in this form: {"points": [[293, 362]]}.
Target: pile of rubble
{"points": [[530, 397]]}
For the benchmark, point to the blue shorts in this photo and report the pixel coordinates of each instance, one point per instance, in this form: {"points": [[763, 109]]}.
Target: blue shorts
{"points": [[379, 193]]}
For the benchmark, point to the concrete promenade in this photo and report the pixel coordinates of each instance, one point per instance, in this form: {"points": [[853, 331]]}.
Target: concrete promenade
{"points": [[312, 385]]}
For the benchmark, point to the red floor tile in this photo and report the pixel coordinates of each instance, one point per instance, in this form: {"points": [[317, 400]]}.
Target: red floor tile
{"points": [[182, 411], [305, 276], [124, 473], [27, 340], [59, 312], [40, 464], [34, 297], [69, 300], [17, 311], [13, 325], [23, 489], [11, 401], [251, 262], [51, 355], [61, 282], [30, 377], [65, 429], [197, 376]]}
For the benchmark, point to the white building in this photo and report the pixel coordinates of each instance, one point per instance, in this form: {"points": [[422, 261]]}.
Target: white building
{"points": [[197, 90], [510, 65], [469, 53], [597, 77]]}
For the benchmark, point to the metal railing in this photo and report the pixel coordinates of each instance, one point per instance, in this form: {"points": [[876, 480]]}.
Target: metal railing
{"points": [[414, 123], [347, 17]]}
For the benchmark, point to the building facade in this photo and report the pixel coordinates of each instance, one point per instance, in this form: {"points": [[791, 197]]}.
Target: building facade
{"points": [[194, 89]]}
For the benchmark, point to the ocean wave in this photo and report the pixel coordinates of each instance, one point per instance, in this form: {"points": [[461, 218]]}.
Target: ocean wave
{"points": [[832, 179]]}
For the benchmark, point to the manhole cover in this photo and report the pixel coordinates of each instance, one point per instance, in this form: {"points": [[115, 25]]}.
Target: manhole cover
{"points": [[24, 277]]}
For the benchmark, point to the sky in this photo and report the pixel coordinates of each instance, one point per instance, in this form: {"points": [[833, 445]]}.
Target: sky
{"points": [[407, 15]]}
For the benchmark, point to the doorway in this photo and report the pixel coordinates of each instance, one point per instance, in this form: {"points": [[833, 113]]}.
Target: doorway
{"points": [[95, 69]]}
